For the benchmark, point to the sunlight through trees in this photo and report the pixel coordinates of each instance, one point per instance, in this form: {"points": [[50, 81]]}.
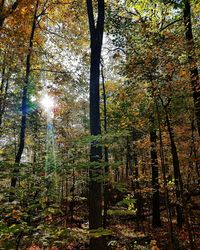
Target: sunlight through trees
{"points": [[99, 124]]}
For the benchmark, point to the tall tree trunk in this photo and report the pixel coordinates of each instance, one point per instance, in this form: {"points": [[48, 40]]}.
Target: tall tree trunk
{"points": [[137, 193], [95, 186], [106, 185], [179, 185], [24, 103], [177, 173], [166, 193], [128, 156], [193, 154], [192, 61], [156, 222]]}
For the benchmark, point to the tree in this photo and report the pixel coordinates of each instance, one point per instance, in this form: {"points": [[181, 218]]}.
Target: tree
{"points": [[24, 100], [95, 186], [192, 60], [156, 222]]}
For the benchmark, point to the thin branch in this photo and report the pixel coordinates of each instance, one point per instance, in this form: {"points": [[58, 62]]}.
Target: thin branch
{"points": [[50, 32], [168, 25], [116, 49], [49, 70], [165, 105], [44, 9]]}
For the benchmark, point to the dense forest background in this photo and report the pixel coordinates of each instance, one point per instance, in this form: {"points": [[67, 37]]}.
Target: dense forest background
{"points": [[99, 124]]}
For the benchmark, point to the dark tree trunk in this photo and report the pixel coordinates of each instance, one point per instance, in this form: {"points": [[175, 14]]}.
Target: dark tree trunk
{"points": [[177, 174], [106, 185], [193, 154], [72, 194], [166, 193], [24, 104], [95, 186], [156, 222], [192, 61], [179, 185], [138, 196], [128, 156]]}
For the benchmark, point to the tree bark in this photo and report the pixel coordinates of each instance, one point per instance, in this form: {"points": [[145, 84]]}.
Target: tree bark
{"points": [[106, 184], [138, 196], [179, 186], [166, 193], [95, 185], [192, 61], [156, 222], [177, 174]]}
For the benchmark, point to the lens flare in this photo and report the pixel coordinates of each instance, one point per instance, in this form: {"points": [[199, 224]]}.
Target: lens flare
{"points": [[47, 102]]}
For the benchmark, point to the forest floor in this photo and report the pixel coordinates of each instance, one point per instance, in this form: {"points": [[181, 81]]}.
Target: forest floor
{"points": [[128, 234], [65, 227]]}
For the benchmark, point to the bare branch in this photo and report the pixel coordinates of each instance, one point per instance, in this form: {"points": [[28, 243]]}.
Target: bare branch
{"points": [[168, 25]]}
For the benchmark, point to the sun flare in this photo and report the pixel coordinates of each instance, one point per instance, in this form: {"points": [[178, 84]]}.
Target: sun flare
{"points": [[47, 102]]}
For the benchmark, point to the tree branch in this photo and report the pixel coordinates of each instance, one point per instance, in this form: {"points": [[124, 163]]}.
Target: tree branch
{"points": [[101, 17], [49, 70], [168, 25], [91, 18]]}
